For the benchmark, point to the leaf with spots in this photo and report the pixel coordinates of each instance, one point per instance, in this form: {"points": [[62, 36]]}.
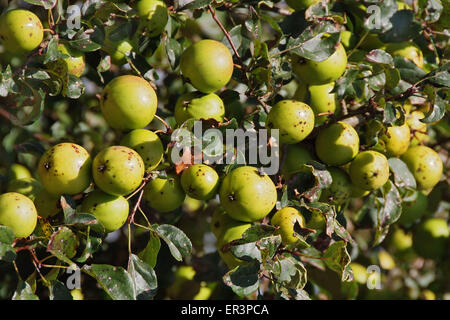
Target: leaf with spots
{"points": [[179, 244], [7, 252], [244, 279], [144, 278], [116, 281], [389, 210], [289, 272], [63, 244], [337, 258]]}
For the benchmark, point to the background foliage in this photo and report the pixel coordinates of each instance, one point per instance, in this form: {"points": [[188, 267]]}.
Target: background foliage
{"points": [[40, 108]]}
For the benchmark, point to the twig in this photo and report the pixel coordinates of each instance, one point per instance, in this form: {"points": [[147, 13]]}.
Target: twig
{"points": [[227, 35]]}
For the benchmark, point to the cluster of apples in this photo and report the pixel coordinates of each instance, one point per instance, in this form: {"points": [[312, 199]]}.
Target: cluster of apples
{"points": [[129, 103]]}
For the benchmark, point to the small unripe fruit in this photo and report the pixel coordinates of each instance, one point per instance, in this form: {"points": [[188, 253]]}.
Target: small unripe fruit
{"points": [[111, 211], [431, 238], [286, 219], [47, 204], [425, 165], [293, 119], [29, 187], [75, 63], [65, 169], [221, 221], [417, 127], [348, 39], [359, 272], [296, 157], [153, 16], [340, 188], [21, 31], [369, 170], [17, 171], [322, 100], [128, 102], [407, 50], [19, 213], [328, 70], [337, 144], [164, 195], [118, 170], [247, 195], [401, 240], [396, 140], [230, 234], [200, 181], [208, 65], [118, 48], [147, 144], [196, 105]]}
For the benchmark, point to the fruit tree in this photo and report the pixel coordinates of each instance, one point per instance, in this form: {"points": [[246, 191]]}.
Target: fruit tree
{"points": [[222, 149]]}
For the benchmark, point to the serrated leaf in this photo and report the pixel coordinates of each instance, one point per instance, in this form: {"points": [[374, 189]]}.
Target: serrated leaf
{"points": [[144, 278], [179, 244], [116, 281], [244, 279]]}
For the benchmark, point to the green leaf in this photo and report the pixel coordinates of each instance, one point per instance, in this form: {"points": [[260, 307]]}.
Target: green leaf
{"points": [[7, 84], [92, 245], [24, 292], [337, 258], [7, 235], [173, 51], [63, 244], [85, 41], [312, 44], [144, 278], [380, 57], [116, 281], [381, 21], [389, 210], [47, 4], [244, 279], [402, 176], [437, 111], [404, 27], [196, 4], [236, 37], [58, 291], [84, 220], [409, 71], [289, 272], [31, 107], [150, 254], [179, 244]]}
